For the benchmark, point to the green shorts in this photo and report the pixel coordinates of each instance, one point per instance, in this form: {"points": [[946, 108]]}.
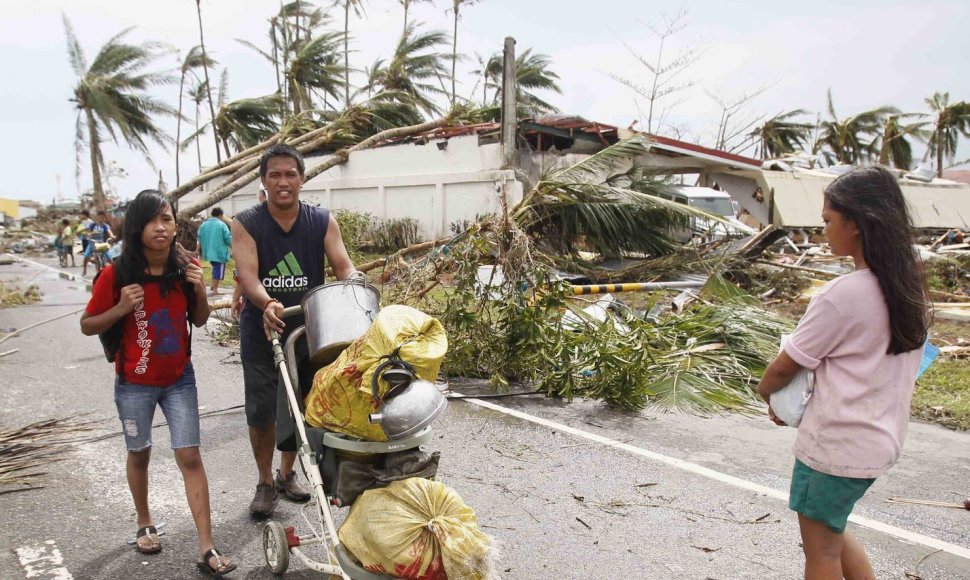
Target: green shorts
{"points": [[825, 498]]}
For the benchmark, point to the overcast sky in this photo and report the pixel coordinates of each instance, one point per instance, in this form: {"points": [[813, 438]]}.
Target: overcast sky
{"points": [[870, 53]]}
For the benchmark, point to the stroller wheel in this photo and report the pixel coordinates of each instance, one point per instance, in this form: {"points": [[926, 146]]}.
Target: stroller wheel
{"points": [[275, 547]]}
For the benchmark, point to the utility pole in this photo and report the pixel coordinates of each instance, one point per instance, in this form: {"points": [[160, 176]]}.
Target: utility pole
{"points": [[509, 120]]}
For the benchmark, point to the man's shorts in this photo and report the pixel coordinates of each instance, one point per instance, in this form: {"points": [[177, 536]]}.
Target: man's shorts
{"points": [[264, 392], [218, 270], [825, 498], [179, 402]]}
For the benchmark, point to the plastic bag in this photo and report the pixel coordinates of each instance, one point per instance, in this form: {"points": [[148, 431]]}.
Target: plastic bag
{"points": [[417, 529], [341, 397], [790, 401]]}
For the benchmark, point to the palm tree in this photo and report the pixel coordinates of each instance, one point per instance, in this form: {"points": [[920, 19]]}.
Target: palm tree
{"points": [[456, 9], [314, 66], [111, 95], [242, 123], [414, 64], [407, 4], [212, 109], [896, 149], [845, 139], [780, 135], [358, 8], [951, 122], [532, 73], [198, 94], [193, 60]]}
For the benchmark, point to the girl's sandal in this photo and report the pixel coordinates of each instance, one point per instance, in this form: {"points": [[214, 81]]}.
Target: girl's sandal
{"points": [[223, 565], [153, 546]]}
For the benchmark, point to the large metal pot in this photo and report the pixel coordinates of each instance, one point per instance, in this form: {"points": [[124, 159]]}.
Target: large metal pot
{"points": [[337, 314]]}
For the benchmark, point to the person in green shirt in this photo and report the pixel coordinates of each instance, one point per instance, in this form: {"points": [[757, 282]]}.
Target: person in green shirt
{"points": [[215, 241]]}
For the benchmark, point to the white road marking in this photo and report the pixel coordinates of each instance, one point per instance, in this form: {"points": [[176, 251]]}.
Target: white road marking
{"points": [[43, 562], [887, 529]]}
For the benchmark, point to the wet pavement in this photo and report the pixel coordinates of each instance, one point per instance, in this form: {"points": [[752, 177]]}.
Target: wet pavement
{"points": [[567, 490]]}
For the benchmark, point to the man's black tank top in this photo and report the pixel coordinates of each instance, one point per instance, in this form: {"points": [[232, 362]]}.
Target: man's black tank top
{"points": [[290, 264]]}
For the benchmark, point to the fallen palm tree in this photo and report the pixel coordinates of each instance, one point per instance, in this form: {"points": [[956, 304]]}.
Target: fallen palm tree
{"points": [[513, 325]]}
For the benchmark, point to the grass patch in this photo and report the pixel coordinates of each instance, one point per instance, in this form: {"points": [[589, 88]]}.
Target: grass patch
{"points": [[943, 394]]}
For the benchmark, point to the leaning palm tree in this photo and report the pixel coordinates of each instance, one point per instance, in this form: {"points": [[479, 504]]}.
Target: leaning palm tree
{"points": [[111, 96], [781, 135], [409, 73], [456, 6], [852, 139], [193, 60], [532, 73], [951, 122], [896, 150]]}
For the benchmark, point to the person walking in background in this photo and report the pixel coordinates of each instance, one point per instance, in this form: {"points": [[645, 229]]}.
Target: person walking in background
{"points": [[81, 229], [67, 242], [281, 248], [863, 335], [215, 241], [148, 298], [98, 232]]}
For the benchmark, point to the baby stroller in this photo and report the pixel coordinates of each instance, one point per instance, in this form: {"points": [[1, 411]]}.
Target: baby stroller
{"points": [[332, 461]]}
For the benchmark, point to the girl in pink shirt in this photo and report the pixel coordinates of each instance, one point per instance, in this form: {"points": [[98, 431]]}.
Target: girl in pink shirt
{"points": [[863, 335]]}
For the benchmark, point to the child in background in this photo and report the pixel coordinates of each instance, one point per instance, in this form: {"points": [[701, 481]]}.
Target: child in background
{"points": [[155, 293], [67, 243], [863, 335]]}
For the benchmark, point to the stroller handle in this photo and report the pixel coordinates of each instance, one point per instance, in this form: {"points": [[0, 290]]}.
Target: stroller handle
{"points": [[292, 311]]}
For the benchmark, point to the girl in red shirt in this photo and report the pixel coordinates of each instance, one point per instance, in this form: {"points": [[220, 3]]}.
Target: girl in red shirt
{"points": [[154, 293]]}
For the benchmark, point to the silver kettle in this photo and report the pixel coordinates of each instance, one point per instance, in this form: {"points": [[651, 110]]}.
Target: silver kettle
{"points": [[409, 406]]}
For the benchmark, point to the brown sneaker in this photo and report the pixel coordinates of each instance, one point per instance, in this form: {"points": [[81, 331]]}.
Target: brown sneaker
{"points": [[292, 489], [264, 501]]}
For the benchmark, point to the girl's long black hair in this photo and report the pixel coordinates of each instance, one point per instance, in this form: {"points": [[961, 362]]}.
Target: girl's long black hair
{"points": [[131, 265], [872, 199]]}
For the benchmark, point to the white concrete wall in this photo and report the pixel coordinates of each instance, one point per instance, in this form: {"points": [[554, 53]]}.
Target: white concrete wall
{"points": [[435, 186]]}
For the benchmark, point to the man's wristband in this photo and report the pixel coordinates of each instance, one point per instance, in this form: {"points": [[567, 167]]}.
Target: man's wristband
{"points": [[270, 301]]}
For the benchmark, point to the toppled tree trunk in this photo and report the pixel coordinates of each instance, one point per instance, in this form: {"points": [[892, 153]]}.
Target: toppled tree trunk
{"points": [[246, 174]]}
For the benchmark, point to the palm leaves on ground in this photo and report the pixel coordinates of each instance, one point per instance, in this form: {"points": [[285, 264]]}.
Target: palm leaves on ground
{"points": [[607, 200], [781, 135], [415, 62], [851, 139], [952, 120], [111, 96], [193, 60], [896, 149]]}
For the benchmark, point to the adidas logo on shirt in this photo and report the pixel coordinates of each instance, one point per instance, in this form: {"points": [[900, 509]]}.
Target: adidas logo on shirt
{"points": [[287, 276]]}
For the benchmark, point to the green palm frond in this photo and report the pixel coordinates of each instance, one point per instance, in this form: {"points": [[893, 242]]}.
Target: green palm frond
{"points": [[781, 135], [852, 139], [601, 164]]}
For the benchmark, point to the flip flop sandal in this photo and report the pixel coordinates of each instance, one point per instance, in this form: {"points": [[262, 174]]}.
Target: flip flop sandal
{"points": [[220, 569], [152, 534]]}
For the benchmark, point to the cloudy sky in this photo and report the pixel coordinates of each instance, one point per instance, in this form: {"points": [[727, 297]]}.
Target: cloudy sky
{"points": [[870, 53]]}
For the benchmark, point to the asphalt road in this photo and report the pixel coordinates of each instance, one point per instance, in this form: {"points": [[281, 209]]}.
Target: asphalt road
{"points": [[567, 490]]}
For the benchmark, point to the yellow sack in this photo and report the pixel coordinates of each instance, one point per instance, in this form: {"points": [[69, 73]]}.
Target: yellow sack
{"points": [[341, 397], [417, 529]]}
